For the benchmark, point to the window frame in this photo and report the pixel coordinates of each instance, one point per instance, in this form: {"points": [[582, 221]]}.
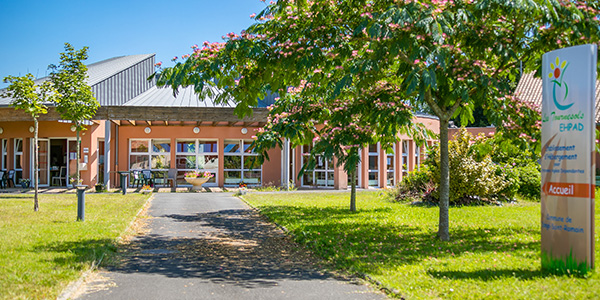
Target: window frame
{"points": [[242, 154]]}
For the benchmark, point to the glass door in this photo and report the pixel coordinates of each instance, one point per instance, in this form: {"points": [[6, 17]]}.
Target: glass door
{"points": [[43, 169], [71, 160]]}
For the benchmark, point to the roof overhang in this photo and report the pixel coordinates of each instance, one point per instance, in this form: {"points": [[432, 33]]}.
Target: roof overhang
{"points": [[169, 114]]}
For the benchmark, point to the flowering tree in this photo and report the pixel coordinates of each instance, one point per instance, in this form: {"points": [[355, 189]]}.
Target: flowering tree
{"points": [[32, 99], [448, 55], [77, 103]]}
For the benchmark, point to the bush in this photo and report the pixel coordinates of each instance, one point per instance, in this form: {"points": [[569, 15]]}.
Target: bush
{"points": [[416, 185], [530, 181], [472, 180]]}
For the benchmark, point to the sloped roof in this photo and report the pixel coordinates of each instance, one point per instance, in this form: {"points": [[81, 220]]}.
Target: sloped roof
{"points": [[529, 89], [104, 69], [98, 71], [163, 97]]}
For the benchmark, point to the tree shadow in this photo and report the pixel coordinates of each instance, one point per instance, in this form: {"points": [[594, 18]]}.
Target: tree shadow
{"points": [[353, 241], [235, 247], [491, 275], [79, 253]]}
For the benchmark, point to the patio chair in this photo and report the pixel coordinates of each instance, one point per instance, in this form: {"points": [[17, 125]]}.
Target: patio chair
{"points": [[137, 178], [62, 175], [2, 180], [10, 178], [148, 178]]}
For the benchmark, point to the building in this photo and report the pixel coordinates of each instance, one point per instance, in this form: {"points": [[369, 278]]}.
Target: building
{"points": [[142, 127]]}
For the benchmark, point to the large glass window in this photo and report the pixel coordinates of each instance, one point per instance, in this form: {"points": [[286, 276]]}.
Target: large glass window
{"points": [[322, 175], [154, 155], [404, 158], [4, 159], [391, 168], [374, 165], [18, 160], [240, 163], [202, 155]]}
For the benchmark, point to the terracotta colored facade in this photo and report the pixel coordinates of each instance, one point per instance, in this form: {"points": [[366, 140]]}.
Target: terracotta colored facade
{"points": [[57, 148]]}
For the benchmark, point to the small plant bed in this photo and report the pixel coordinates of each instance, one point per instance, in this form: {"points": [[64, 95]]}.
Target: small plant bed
{"points": [[41, 252], [494, 252]]}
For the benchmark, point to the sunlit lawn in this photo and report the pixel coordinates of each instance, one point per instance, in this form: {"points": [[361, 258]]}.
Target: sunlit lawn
{"points": [[494, 252], [41, 252]]}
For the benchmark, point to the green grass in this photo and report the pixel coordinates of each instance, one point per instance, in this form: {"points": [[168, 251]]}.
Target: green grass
{"points": [[494, 252], [41, 252]]}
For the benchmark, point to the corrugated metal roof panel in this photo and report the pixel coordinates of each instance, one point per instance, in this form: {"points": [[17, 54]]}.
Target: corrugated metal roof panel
{"points": [[163, 97]]}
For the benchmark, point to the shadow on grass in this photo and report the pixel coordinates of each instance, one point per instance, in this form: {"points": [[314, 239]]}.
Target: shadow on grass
{"points": [[363, 240], [79, 253]]}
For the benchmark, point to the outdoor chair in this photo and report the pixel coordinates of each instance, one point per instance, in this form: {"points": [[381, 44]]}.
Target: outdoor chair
{"points": [[148, 178], [62, 175], [172, 178], [10, 179], [137, 178]]}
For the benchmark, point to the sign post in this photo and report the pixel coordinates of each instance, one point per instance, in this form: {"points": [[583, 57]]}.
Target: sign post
{"points": [[568, 159]]}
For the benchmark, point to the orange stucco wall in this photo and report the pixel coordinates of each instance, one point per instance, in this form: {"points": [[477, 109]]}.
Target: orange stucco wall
{"points": [[475, 131], [53, 130]]}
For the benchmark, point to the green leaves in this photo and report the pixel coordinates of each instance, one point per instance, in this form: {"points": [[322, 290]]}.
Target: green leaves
{"points": [[30, 97]]}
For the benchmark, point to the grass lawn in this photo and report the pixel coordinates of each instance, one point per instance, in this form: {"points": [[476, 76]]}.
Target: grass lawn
{"points": [[41, 252], [494, 252]]}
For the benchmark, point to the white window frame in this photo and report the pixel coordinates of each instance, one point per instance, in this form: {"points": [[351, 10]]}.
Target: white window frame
{"points": [[15, 153], [405, 163], [242, 154], [4, 155], [198, 153], [327, 170], [392, 170], [417, 157], [374, 182]]}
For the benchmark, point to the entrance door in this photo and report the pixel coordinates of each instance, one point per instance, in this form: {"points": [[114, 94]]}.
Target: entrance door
{"points": [[43, 168], [72, 159]]}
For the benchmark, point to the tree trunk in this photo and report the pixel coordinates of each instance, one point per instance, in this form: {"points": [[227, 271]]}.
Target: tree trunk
{"points": [[443, 229], [77, 178], [36, 175], [353, 190]]}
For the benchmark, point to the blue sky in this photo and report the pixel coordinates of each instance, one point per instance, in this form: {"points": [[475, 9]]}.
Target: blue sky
{"points": [[33, 32]]}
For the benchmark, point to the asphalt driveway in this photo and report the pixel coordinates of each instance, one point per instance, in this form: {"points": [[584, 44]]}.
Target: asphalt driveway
{"points": [[213, 246]]}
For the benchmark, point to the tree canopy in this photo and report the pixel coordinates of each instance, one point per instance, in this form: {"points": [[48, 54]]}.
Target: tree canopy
{"points": [[447, 55]]}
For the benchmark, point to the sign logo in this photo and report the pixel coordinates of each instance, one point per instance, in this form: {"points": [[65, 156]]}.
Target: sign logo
{"points": [[557, 74]]}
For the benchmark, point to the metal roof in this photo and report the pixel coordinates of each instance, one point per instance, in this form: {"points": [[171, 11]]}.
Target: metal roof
{"points": [[99, 72], [163, 97], [529, 89]]}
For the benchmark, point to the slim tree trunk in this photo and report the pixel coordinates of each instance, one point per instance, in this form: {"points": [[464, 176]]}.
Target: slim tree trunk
{"points": [[77, 178], [443, 230], [36, 175], [353, 190]]}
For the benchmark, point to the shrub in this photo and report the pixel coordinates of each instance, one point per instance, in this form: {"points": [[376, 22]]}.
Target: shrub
{"points": [[530, 181], [470, 179], [416, 185]]}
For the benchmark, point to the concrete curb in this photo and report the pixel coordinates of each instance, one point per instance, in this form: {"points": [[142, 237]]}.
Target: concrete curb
{"points": [[75, 285]]}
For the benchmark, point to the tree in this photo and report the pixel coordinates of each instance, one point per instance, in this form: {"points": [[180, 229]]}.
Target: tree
{"points": [[447, 55], [32, 99], [77, 103]]}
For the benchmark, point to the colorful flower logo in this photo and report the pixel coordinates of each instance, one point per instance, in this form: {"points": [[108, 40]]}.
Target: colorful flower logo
{"points": [[556, 75]]}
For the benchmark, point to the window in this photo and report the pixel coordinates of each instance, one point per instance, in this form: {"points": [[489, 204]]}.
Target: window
{"points": [[150, 154], [374, 165], [4, 158], [391, 168], [18, 159], [417, 157], [404, 158], [240, 163], [201, 155], [322, 175]]}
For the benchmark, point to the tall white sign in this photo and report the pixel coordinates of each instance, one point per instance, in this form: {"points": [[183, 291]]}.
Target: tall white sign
{"points": [[568, 158]]}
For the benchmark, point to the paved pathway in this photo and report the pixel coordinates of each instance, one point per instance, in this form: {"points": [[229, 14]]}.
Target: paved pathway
{"points": [[212, 246]]}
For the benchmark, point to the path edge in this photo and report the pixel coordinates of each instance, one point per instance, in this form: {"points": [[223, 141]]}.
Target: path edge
{"points": [[72, 287], [376, 283]]}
